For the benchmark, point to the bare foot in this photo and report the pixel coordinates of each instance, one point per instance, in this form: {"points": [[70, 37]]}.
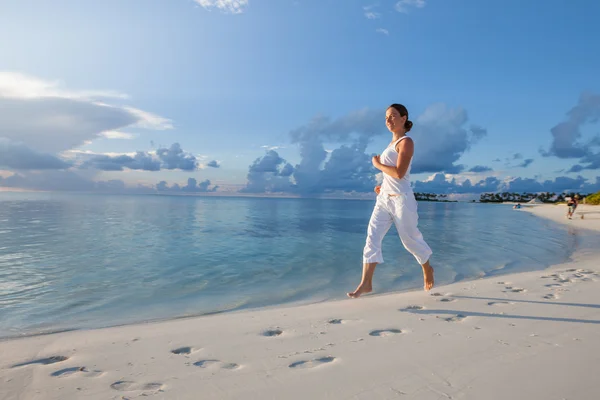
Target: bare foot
{"points": [[427, 276], [362, 288]]}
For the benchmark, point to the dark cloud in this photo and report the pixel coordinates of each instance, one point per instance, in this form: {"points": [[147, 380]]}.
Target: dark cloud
{"points": [[17, 156], [567, 137], [441, 137], [526, 163], [480, 168], [213, 164], [175, 158], [348, 169], [192, 187], [140, 161], [171, 158], [440, 185], [269, 174], [52, 125]]}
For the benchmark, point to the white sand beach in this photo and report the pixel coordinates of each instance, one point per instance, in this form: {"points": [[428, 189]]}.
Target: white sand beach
{"points": [[532, 335]]}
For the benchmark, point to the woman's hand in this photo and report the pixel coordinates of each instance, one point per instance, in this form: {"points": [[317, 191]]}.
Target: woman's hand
{"points": [[376, 161], [377, 189]]}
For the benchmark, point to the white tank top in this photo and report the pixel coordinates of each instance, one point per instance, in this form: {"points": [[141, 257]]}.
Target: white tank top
{"points": [[390, 184]]}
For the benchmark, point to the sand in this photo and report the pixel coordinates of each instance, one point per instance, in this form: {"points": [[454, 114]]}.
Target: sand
{"points": [[533, 335]]}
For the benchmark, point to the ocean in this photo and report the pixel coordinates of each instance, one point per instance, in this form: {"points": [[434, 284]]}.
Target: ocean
{"points": [[76, 261]]}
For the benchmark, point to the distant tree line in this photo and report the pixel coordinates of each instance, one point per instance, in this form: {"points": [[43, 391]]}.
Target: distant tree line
{"points": [[545, 197], [432, 197]]}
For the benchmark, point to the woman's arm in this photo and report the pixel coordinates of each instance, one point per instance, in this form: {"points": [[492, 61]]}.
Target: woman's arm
{"points": [[405, 149]]}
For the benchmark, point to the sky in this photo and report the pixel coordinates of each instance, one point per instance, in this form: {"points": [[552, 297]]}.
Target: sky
{"points": [[289, 96]]}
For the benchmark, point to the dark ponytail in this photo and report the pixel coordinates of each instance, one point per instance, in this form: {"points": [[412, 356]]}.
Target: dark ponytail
{"points": [[403, 112]]}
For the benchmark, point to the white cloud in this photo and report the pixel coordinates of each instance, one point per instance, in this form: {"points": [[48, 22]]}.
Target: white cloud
{"points": [[148, 120], [404, 5], [227, 6], [272, 147], [20, 86], [383, 31], [372, 15], [117, 135], [48, 118]]}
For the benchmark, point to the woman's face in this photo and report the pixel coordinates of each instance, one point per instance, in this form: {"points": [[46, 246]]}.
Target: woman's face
{"points": [[393, 120]]}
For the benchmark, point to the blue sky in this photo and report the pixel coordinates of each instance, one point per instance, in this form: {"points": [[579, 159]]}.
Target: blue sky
{"points": [[290, 96]]}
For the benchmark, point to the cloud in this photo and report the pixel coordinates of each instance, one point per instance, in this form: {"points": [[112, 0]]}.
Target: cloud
{"points": [[269, 173], [372, 15], [49, 181], [442, 134], [526, 163], [52, 125], [517, 156], [441, 137], [43, 121], [117, 135], [559, 184], [164, 158], [140, 161], [567, 137], [213, 164], [175, 158], [17, 156], [382, 31], [21, 86], [480, 168], [191, 187], [226, 6], [404, 6], [438, 184]]}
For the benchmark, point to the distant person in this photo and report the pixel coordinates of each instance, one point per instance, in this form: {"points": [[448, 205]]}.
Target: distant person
{"points": [[395, 203], [572, 203]]}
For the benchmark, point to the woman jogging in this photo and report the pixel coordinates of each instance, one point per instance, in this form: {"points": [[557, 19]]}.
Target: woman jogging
{"points": [[395, 203]]}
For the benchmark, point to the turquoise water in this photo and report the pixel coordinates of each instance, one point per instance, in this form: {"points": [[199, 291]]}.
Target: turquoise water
{"points": [[72, 261]]}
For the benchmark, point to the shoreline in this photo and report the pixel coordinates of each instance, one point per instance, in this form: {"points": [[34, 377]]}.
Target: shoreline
{"points": [[463, 340]]}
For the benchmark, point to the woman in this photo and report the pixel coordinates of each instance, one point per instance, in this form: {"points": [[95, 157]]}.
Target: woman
{"points": [[395, 203], [572, 204]]}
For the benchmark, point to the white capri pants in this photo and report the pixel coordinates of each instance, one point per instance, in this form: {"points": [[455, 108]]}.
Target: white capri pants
{"points": [[400, 209]]}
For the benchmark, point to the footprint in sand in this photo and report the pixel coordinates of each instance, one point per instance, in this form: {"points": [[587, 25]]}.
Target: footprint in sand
{"points": [[551, 285], [515, 289], [550, 296], [412, 308], [43, 361], [385, 332], [499, 303], [455, 318], [184, 350], [272, 332], [447, 299], [83, 371], [216, 363], [436, 294], [312, 363], [585, 271], [335, 321], [130, 386]]}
